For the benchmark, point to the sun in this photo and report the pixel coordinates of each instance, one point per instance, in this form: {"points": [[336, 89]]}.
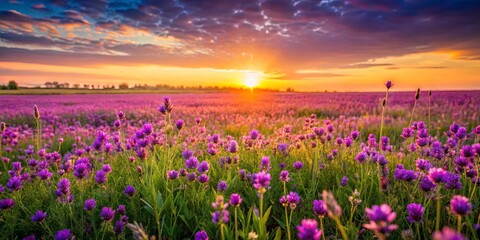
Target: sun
{"points": [[252, 79]]}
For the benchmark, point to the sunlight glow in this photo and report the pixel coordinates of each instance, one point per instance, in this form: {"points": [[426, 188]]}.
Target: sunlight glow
{"points": [[252, 79]]}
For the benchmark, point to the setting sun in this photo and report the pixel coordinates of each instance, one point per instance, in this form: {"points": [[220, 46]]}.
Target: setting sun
{"points": [[252, 79]]}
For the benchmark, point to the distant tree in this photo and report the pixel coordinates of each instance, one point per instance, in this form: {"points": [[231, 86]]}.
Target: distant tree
{"points": [[56, 84], [76, 85], [123, 86], [12, 85], [4, 87], [48, 84], [66, 85], [289, 89]]}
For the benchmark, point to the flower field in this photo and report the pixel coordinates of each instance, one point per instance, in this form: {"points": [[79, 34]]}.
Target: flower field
{"points": [[251, 165]]}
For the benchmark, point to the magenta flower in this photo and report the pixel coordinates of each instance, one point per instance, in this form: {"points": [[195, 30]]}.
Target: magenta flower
{"points": [[308, 230], [448, 234], [262, 181], [172, 174], [235, 199], [460, 205], [381, 218], [284, 176]]}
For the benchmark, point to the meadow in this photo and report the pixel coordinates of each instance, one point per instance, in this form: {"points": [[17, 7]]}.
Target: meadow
{"points": [[244, 165]]}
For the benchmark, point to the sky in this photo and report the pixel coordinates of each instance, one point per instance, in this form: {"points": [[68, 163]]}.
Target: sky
{"points": [[307, 45]]}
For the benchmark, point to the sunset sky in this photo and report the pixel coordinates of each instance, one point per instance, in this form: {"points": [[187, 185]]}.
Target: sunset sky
{"points": [[309, 45]]}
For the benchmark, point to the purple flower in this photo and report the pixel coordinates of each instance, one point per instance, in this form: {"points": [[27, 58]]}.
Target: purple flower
{"points": [[423, 164], [101, 176], [254, 134], [172, 174], [187, 154], [381, 218], [179, 124], [89, 204], [203, 167], [39, 216], [265, 164], [319, 208], [361, 157], [344, 181], [107, 213], [129, 190], [201, 235], [191, 162], [308, 230], [63, 234], [222, 186], [203, 178], [121, 210], [298, 165], [262, 181], [80, 170], [388, 84], [448, 234], [6, 203], [235, 199], [426, 185], [220, 216], [191, 176], [107, 168], [14, 184], [437, 175], [460, 205], [119, 227], [44, 174], [415, 212], [293, 199], [284, 176], [232, 146]]}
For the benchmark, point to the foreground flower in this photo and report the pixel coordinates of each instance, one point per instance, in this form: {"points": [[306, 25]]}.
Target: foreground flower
{"points": [[308, 230], [319, 208], [415, 212], [448, 234], [129, 190], [460, 205], [89, 204], [107, 213], [262, 181], [6, 203], [201, 235], [63, 234], [381, 218], [39, 216]]}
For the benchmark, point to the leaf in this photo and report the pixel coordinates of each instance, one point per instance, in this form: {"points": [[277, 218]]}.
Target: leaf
{"points": [[147, 206], [278, 234]]}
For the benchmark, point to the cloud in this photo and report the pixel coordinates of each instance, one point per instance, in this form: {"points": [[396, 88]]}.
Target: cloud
{"points": [[277, 36]]}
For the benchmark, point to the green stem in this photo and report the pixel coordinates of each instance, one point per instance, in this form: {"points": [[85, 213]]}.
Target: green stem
{"points": [[439, 206], [222, 233], [261, 215], [236, 225], [321, 228], [288, 223], [340, 228], [459, 223], [411, 116], [417, 227]]}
